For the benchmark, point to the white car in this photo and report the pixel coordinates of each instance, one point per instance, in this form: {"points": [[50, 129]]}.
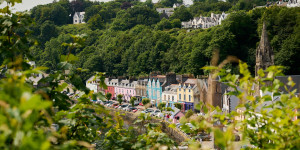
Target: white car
{"points": [[160, 115], [155, 112], [126, 108], [147, 111]]}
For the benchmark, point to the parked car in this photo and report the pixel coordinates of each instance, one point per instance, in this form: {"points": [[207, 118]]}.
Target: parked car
{"points": [[126, 107], [141, 104], [160, 115], [136, 103], [99, 102], [135, 110], [154, 113], [148, 111], [130, 109], [116, 107], [204, 136], [123, 106], [114, 104]]}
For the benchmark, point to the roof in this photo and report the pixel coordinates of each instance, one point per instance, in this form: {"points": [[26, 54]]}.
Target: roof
{"points": [[284, 80]]}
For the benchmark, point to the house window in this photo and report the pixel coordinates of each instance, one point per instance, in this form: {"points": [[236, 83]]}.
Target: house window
{"points": [[184, 90], [189, 90], [179, 96], [179, 89], [184, 97], [172, 98], [189, 98]]}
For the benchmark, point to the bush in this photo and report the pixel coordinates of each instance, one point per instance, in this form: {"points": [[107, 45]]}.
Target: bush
{"points": [[161, 106], [145, 101], [178, 105], [132, 101], [189, 113]]}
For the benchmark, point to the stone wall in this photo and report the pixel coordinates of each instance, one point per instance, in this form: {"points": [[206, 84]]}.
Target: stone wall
{"points": [[173, 133]]}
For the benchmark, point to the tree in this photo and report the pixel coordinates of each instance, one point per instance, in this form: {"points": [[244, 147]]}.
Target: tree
{"points": [[129, 18], [119, 98], [96, 22], [163, 24], [126, 5], [132, 100], [59, 15], [108, 96], [91, 11], [169, 3], [48, 30], [145, 101], [178, 105], [176, 23], [189, 113], [161, 106], [182, 13]]}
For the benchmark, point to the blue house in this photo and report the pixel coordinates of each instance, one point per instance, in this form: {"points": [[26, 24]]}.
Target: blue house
{"points": [[156, 85], [154, 90]]}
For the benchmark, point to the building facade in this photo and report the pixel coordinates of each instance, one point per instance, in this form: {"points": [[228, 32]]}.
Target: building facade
{"points": [[125, 88], [169, 96], [141, 89], [78, 18], [154, 90], [92, 84], [187, 93]]}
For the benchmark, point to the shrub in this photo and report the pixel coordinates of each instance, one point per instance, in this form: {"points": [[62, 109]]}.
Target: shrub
{"points": [[189, 113]]}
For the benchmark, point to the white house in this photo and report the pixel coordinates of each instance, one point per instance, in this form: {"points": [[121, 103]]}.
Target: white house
{"points": [[78, 18], [92, 84], [205, 22], [293, 3], [169, 96], [187, 24]]}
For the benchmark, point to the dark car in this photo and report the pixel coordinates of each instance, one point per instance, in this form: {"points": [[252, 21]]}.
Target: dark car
{"points": [[203, 136], [136, 103]]}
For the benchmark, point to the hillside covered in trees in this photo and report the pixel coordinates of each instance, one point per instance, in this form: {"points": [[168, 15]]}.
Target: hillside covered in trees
{"points": [[129, 38]]}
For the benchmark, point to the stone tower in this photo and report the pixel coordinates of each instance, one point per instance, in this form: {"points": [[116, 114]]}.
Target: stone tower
{"points": [[264, 52], [264, 56]]}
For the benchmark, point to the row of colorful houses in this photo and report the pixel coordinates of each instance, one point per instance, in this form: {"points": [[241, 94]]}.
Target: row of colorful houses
{"points": [[170, 89]]}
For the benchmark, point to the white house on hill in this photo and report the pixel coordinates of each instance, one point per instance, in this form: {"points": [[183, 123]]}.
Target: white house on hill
{"points": [[78, 18], [205, 22], [293, 3]]}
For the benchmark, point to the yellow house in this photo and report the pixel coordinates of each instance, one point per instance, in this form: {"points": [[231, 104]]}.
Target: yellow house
{"points": [[186, 93]]}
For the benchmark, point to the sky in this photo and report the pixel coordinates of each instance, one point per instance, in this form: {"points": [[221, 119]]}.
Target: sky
{"points": [[28, 4]]}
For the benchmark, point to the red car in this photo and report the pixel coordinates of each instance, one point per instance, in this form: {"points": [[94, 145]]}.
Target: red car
{"points": [[141, 104], [135, 110]]}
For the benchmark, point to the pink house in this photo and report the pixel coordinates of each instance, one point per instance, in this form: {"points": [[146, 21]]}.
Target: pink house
{"points": [[126, 88], [176, 116]]}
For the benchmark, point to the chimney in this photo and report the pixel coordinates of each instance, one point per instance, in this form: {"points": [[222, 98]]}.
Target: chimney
{"points": [[170, 78]]}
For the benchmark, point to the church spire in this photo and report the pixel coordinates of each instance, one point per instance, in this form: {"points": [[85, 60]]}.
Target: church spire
{"points": [[264, 52]]}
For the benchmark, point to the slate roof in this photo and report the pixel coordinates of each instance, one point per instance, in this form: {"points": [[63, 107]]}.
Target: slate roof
{"points": [[284, 80]]}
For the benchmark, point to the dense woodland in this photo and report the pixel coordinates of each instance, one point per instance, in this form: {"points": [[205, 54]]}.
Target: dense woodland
{"points": [[128, 37]]}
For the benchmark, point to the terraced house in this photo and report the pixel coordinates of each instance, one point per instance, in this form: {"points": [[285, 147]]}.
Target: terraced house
{"points": [[156, 85], [188, 93]]}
